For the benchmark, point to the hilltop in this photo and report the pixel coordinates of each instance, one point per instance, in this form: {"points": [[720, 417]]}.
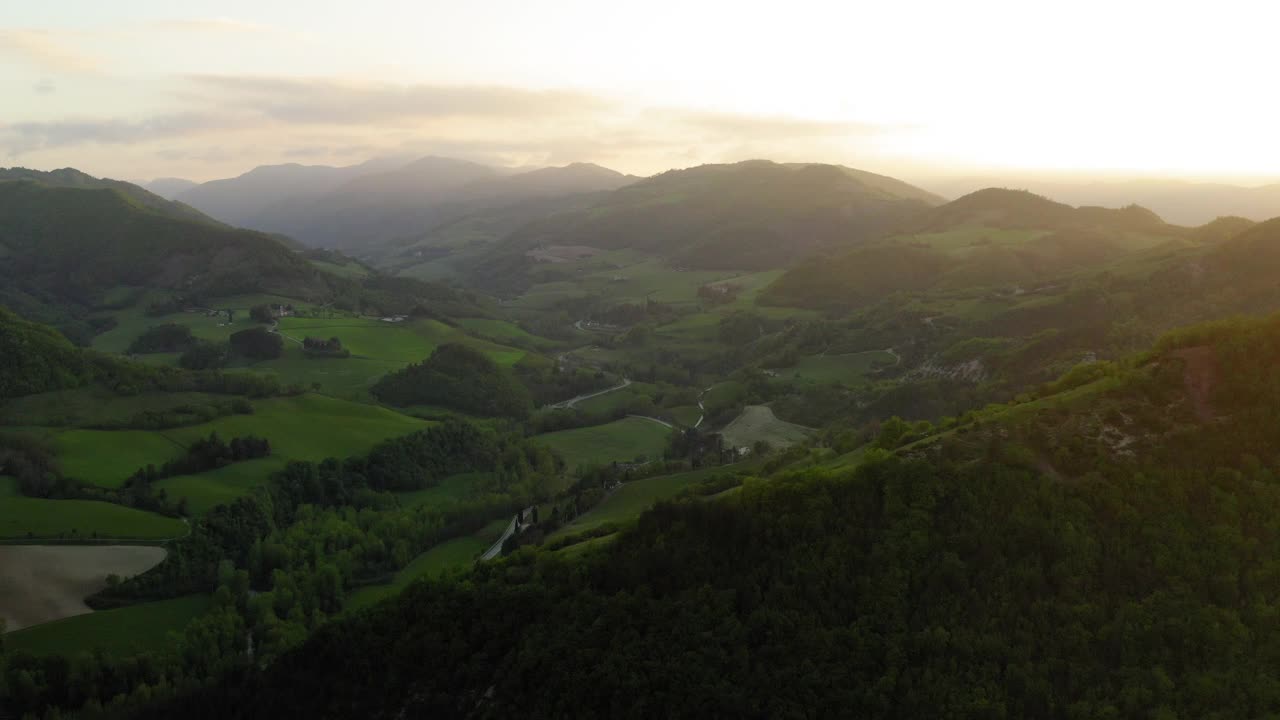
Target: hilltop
{"points": [[749, 215]]}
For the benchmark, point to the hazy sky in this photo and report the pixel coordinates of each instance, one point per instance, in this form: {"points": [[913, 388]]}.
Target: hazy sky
{"points": [[200, 89]]}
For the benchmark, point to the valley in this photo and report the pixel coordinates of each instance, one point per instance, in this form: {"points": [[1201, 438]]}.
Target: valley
{"points": [[293, 437]]}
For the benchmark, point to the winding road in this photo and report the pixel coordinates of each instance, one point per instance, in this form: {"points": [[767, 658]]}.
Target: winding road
{"points": [[496, 548], [573, 401]]}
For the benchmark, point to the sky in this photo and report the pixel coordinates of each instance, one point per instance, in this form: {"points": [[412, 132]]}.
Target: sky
{"points": [[137, 89]]}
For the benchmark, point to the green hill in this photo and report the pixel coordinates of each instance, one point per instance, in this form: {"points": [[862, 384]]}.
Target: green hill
{"points": [[748, 215], [988, 238], [72, 178], [1098, 551]]}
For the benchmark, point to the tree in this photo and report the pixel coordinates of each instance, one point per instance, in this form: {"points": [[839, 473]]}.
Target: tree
{"points": [[257, 344], [262, 314]]}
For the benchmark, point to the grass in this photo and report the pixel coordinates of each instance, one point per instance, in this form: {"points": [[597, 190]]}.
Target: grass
{"points": [[303, 427], [502, 330], [627, 502], [449, 555], [377, 348], [686, 415], [144, 627], [849, 369], [609, 402], [622, 440], [22, 517], [452, 489], [756, 423], [94, 405]]}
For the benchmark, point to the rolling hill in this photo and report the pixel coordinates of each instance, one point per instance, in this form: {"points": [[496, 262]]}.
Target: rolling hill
{"points": [[749, 215], [988, 238], [72, 178]]}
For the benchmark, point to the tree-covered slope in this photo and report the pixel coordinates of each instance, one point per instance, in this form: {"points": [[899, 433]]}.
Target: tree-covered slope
{"points": [[988, 238], [1106, 549], [749, 215], [72, 178], [76, 242]]}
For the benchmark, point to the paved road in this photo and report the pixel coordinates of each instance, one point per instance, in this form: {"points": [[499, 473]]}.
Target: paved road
{"points": [[574, 401], [663, 423], [496, 548]]}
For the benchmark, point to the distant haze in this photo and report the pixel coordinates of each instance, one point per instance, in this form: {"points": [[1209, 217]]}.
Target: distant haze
{"points": [[202, 90]]}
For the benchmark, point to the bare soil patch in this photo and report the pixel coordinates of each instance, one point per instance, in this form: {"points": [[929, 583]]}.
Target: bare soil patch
{"points": [[40, 583]]}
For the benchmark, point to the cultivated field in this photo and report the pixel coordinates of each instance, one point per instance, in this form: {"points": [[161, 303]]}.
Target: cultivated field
{"points": [[41, 583], [757, 422], [622, 440]]}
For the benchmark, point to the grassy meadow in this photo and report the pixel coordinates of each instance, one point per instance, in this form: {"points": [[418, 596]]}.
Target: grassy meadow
{"points": [[28, 517], [622, 440], [145, 627]]}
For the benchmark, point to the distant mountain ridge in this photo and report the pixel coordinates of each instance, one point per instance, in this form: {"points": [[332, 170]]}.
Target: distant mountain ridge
{"points": [[362, 206], [756, 214], [1179, 202]]}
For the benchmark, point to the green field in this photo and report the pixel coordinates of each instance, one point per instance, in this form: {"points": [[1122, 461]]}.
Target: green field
{"points": [[377, 347], [22, 517], [133, 321], [142, 627], [94, 405], [303, 427], [622, 440], [502, 331], [848, 369], [627, 502], [448, 555], [452, 489]]}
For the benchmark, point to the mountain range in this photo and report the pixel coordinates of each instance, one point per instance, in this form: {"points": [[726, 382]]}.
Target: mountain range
{"points": [[360, 206]]}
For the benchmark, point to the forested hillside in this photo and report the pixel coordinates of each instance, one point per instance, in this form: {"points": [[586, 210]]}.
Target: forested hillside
{"points": [[750, 215], [1061, 557]]}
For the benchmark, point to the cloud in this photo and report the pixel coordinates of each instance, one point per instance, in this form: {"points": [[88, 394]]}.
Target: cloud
{"points": [[768, 127], [23, 137], [208, 25], [230, 123], [39, 48], [327, 101]]}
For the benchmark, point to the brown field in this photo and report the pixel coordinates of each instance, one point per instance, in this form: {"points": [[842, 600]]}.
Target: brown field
{"points": [[40, 583], [757, 422]]}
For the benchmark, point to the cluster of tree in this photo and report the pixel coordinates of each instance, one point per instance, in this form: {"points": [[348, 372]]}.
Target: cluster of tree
{"points": [[257, 344], [205, 355], [36, 359], [458, 377], [204, 454], [319, 347], [550, 382], [169, 337], [178, 415]]}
